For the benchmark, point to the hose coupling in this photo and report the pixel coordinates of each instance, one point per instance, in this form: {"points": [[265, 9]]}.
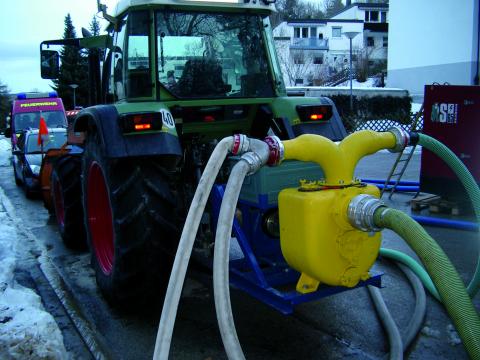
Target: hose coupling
{"points": [[402, 138], [253, 160], [361, 210], [276, 149], [240, 145]]}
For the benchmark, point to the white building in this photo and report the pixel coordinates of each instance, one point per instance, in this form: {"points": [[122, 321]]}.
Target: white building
{"points": [[433, 42], [311, 50]]}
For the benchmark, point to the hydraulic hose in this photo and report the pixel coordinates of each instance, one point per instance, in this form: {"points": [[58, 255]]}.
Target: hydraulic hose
{"points": [[400, 343], [467, 181], [416, 321], [249, 163], [446, 223], [221, 282], [394, 337], [443, 274], [177, 276], [414, 266]]}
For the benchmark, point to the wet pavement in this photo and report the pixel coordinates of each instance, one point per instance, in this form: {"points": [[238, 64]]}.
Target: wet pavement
{"points": [[336, 327]]}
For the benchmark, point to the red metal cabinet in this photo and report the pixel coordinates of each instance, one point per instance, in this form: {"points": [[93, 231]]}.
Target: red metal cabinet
{"points": [[452, 115]]}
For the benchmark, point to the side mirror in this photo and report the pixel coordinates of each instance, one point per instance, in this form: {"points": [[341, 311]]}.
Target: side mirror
{"points": [[49, 64], [8, 132]]}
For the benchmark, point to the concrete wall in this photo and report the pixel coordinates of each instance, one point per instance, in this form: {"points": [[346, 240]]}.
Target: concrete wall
{"points": [[432, 42]]}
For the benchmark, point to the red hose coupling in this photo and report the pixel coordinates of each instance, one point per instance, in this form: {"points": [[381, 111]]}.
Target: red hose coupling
{"points": [[240, 144], [276, 149]]}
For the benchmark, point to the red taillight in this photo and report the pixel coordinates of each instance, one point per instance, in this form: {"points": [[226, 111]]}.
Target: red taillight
{"points": [[316, 117], [315, 112], [208, 118]]}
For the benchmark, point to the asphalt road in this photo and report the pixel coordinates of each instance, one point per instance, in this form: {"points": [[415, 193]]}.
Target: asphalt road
{"points": [[339, 326]]}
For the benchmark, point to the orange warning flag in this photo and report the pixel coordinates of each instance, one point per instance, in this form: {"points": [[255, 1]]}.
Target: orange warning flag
{"points": [[42, 131]]}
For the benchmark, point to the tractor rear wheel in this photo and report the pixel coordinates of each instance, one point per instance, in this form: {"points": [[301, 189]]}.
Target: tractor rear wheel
{"points": [[66, 187], [130, 222]]}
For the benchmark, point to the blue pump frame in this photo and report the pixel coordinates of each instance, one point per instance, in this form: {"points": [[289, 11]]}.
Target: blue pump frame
{"points": [[262, 272]]}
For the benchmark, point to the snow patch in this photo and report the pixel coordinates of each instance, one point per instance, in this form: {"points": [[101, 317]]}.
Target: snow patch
{"points": [[5, 151], [27, 331]]}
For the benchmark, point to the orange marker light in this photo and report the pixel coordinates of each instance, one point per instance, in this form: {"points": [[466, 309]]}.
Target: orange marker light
{"points": [[142, 126]]}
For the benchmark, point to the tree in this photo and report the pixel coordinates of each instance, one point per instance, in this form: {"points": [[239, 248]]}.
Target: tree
{"points": [[95, 26], [73, 70], [332, 7], [295, 65], [5, 105], [295, 9]]}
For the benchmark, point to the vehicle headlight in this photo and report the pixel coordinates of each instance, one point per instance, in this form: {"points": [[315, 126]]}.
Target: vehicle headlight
{"points": [[35, 169]]}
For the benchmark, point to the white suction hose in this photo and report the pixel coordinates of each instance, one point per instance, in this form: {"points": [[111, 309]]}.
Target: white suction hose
{"points": [[249, 163], [235, 144]]}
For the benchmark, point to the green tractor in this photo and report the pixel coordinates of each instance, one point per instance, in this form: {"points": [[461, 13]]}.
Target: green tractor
{"points": [[170, 80]]}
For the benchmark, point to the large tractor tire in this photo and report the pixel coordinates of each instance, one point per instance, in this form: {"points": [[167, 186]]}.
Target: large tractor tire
{"points": [[130, 222], [66, 192]]}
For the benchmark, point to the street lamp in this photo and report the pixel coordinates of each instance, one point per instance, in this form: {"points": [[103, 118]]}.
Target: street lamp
{"points": [[74, 86], [351, 35]]}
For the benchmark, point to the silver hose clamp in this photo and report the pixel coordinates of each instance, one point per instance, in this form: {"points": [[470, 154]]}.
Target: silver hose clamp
{"points": [[402, 138], [253, 160], [361, 210]]}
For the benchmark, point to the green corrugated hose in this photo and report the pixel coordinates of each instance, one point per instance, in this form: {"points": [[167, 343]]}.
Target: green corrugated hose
{"points": [[443, 274], [467, 181], [414, 266]]}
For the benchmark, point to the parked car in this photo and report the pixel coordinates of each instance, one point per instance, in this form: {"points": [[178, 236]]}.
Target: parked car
{"points": [[27, 108], [28, 155]]}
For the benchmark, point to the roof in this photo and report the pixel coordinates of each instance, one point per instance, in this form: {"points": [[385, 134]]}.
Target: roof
{"points": [[363, 6], [33, 131], [123, 5], [321, 21]]}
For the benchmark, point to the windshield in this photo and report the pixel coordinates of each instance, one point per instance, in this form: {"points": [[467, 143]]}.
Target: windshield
{"points": [[32, 120], [55, 140], [212, 55]]}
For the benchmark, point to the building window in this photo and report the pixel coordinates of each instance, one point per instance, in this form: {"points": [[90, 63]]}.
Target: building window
{"points": [[370, 41], [304, 32], [371, 16], [320, 36], [296, 32], [337, 31], [318, 60], [383, 17], [385, 41], [298, 81], [313, 32]]}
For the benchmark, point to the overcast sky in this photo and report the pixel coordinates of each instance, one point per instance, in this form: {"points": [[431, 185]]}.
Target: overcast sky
{"points": [[26, 23]]}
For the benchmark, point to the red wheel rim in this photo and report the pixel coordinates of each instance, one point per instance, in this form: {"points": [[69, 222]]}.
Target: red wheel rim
{"points": [[59, 209], [99, 215]]}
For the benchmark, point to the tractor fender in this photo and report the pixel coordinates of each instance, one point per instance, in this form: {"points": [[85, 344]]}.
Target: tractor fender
{"points": [[104, 120]]}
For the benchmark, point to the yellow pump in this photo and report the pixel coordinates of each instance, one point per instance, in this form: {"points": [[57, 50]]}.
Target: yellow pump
{"points": [[316, 237]]}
